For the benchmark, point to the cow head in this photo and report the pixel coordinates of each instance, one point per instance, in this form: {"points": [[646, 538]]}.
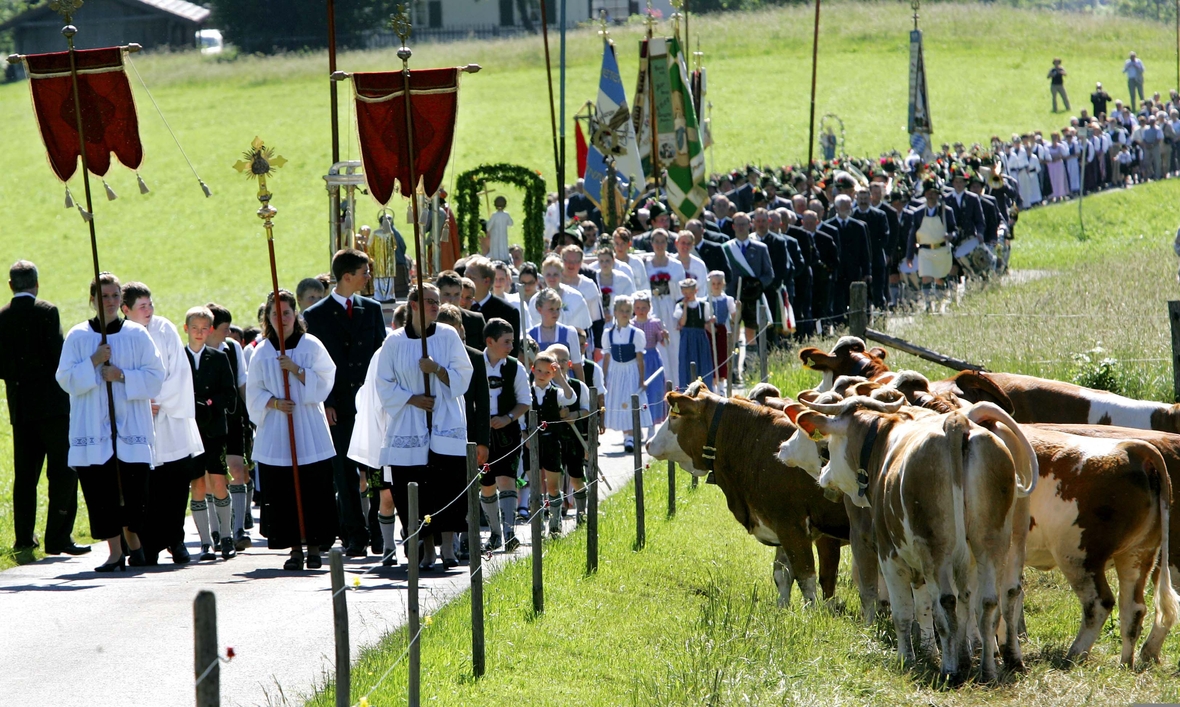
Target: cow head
{"points": [[915, 387], [973, 387], [849, 357], [682, 435]]}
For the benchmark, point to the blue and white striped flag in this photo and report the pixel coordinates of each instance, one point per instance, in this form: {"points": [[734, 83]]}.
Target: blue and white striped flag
{"points": [[615, 129]]}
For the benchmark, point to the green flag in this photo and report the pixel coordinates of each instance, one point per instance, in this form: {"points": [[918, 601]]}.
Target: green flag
{"points": [[687, 193]]}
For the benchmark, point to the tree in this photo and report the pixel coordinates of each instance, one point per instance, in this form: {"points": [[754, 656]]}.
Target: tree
{"points": [[272, 25]]}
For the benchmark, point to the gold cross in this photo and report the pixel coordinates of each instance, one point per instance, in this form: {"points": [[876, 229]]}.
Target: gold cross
{"points": [[65, 8], [486, 193], [604, 32], [402, 23], [649, 19], [260, 162]]}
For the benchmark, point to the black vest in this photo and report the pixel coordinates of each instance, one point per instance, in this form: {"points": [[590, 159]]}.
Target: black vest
{"points": [[547, 409], [505, 383]]}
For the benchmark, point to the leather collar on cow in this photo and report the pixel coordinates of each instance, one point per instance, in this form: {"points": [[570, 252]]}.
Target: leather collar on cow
{"points": [[709, 451], [866, 452]]}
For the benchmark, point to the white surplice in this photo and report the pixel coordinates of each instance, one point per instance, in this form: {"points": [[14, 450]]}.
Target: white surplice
{"points": [[313, 439], [177, 435]]}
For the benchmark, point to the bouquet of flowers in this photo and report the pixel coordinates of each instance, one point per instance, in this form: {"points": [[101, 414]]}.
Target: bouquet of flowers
{"points": [[606, 293], [661, 284]]}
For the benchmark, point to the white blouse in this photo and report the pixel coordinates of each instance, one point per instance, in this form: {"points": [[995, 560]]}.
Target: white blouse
{"points": [[264, 380], [132, 352], [407, 441], [177, 435]]}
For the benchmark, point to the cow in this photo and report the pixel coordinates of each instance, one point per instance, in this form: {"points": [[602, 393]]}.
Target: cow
{"points": [[1103, 502], [849, 357], [942, 490], [783, 510]]}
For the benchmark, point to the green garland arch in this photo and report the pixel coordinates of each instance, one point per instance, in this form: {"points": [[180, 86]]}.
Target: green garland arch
{"points": [[471, 182]]}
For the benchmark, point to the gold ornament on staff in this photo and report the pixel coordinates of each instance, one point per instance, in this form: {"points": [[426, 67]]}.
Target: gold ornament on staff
{"points": [[259, 162]]}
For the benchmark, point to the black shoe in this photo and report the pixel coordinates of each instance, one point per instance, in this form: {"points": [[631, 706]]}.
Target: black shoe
{"points": [[180, 554], [314, 561], [151, 559], [242, 541], [23, 547], [390, 559], [628, 447], [511, 543], [248, 521], [354, 550], [227, 548], [294, 564], [71, 549], [26, 555], [119, 564], [137, 558], [378, 549], [207, 554], [464, 550], [581, 519], [450, 562], [216, 538], [495, 542]]}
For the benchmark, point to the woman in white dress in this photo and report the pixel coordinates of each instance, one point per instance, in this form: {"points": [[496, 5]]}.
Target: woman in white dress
{"points": [[622, 361], [622, 242], [664, 274], [611, 282], [310, 375], [686, 255], [435, 457]]}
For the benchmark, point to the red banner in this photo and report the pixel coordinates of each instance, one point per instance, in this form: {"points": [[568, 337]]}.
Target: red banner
{"points": [[381, 123], [581, 148], [109, 122]]}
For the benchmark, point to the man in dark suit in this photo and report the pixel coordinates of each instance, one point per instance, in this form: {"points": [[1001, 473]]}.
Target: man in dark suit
{"points": [[991, 210], [749, 260], [352, 329], [968, 211], [658, 218], [30, 347], [708, 251], [827, 246], [450, 291], [852, 238], [486, 304], [880, 237]]}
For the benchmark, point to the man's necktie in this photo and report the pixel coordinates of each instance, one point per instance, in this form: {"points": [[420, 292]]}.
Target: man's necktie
{"points": [[348, 307], [475, 307]]}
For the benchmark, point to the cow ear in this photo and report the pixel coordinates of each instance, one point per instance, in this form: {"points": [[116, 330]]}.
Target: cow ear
{"points": [[808, 356], [813, 424], [866, 388], [792, 411], [680, 404], [878, 352]]}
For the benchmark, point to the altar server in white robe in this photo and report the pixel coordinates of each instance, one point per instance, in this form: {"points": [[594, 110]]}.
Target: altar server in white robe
{"points": [[178, 440], [130, 363], [435, 458], [311, 373]]}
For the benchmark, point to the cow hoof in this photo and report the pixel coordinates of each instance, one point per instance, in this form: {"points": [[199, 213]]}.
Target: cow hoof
{"points": [[1012, 662]]}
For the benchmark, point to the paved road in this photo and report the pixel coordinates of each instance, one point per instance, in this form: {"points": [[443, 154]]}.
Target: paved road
{"points": [[71, 636]]}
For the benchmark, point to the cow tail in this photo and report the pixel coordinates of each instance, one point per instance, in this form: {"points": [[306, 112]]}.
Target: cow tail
{"points": [[1167, 603], [1027, 468], [957, 428]]}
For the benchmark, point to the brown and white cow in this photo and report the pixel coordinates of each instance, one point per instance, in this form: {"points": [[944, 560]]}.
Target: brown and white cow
{"points": [[849, 357], [1104, 502], [737, 440], [942, 491]]}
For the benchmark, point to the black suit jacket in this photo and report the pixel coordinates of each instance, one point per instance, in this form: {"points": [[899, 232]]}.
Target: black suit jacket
{"points": [[780, 260], [30, 349], [804, 255], [714, 257], [968, 215], [827, 249], [991, 218], [877, 224], [215, 390], [891, 247], [795, 251], [853, 241], [350, 342], [473, 323], [496, 308], [479, 416]]}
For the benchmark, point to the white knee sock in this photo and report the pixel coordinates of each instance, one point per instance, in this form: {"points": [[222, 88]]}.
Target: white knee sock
{"points": [[200, 511], [387, 525], [508, 501], [225, 516], [491, 508], [237, 497]]}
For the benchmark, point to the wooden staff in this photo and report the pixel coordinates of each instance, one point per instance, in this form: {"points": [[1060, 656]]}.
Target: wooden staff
{"points": [[261, 161], [65, 8], [811, 128], [332, 84], [402, 26], [557, 161], [651, 94]]}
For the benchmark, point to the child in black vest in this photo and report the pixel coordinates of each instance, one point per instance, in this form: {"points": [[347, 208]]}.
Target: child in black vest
{"points": [[551, 397], [508, 393], [575, 432]]}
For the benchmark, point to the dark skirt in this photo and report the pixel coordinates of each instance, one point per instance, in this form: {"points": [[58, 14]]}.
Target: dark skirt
{"points": [[167, 501], [100, 488], [694, 348], [280, 520], [721, 351], [655, 391], [440, 482]]}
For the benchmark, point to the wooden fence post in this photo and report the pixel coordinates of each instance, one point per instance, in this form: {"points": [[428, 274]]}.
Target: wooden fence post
{"points": [[858, 309], [692, 371], [763, 328], [412, 539], [475, 563], [637, 431], [206, 663], [340, 616], [1174, 320], [730, 372], [672, 464], [592, 472], [536, 493]]}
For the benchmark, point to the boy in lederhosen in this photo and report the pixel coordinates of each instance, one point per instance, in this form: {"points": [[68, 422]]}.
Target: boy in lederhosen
{"points": [[574, 434], [551, 395], [508, 394]]}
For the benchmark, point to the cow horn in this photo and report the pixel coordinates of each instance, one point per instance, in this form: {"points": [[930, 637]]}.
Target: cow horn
{"points": [[887, 395], [855, 403]]}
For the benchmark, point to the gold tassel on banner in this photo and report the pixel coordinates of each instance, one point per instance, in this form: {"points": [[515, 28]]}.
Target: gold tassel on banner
{"points": [[86, 215], [143, 187], [205, 188], [69, 199], [111, 195]]}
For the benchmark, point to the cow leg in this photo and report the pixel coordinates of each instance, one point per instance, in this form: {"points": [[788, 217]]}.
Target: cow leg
{"points": [[864, 558], [783, 577], [1150, 653], [950, 620], [1012, 591], [987, 603], [901, 600], [1133, 576], [828, 550], [796, 545], [923, 626], [1097, 600]]}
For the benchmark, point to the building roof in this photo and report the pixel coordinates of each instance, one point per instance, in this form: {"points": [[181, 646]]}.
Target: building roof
{"points": [[179, 8]]}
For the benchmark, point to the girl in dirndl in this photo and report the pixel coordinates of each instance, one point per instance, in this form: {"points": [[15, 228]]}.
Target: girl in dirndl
{"points": [[653, 356], [663, 272], [694, 318], [725, 316], [624, 370]]}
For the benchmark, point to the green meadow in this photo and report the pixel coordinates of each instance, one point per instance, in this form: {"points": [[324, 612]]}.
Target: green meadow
{"points": [[692, 619]]}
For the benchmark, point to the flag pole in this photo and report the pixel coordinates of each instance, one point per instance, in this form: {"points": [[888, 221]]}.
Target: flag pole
{"points": [[331, 83], [811, 128], [66, 8], [561, 122], [557, 161], [651, 94], [261, 161], [402, 26]]}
